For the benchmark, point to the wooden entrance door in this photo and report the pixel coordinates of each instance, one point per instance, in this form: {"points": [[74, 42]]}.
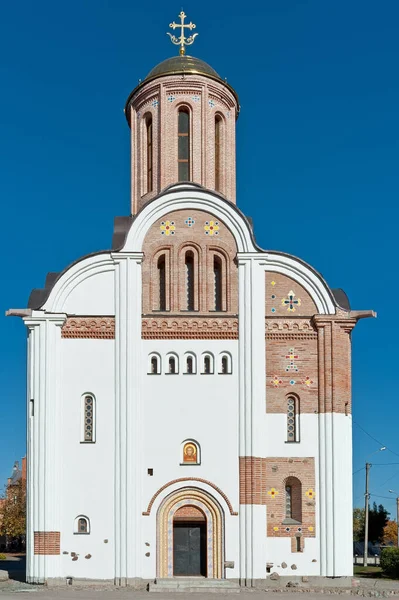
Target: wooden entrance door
{"points": [[189, 549]]}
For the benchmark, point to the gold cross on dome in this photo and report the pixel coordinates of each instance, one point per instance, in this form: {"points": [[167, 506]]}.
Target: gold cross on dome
{"points": [[182, 41]]}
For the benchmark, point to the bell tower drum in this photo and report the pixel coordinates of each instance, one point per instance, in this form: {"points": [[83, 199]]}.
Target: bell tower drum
{"points": [[182, 119]]}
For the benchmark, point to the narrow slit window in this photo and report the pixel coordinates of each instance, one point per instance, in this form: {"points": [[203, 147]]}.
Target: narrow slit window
{"points": [[207, 365], [291, 420], [189, 268], [190, 365], [82, 525], [217, 283], [183, 145], [149, 136], [161, 266], [288, 502], [172, 365], [218, 149], [154, 365], [88, 418], [293, 500], [225, 365], [298, 544]]}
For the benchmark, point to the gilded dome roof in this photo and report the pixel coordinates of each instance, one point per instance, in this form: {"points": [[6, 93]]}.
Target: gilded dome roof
{"points": [[182, 64]]}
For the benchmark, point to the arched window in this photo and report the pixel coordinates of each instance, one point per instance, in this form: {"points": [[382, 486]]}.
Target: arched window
{"points": [[161, 272], [218, 153], [149, 142], [82, 525], [190, 453], [154, 365], [293, 500], [225, 364], [183, 151], [88, 419], [292, 419], [207, 364], [217, 283], [172, 364], [190, 283], [190, 364]]}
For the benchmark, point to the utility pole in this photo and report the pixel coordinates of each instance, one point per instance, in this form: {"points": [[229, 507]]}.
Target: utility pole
{"points": [[397, 512], [366, 515], [397, 516]]}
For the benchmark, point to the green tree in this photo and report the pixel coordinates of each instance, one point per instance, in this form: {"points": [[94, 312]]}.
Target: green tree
{"points": [[378, 518], [358, 524], [391, 533], [13, 511]]}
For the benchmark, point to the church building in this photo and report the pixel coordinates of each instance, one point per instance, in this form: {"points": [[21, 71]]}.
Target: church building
{"points": [[189, 393]]}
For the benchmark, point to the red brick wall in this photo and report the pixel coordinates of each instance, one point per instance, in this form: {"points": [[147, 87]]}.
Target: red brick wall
{"points": [[47, 542], [278, 287], [186, 513], [263, 481], [297, 375], [204, 247]]}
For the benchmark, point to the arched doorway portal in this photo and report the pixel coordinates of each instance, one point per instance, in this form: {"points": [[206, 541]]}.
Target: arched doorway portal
{"points": [[190, 532]]}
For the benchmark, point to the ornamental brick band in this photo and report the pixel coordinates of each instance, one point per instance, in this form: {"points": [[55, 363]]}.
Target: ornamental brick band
{"points": [[102, 328], [183, 479], [190, 329], [47, 543]]}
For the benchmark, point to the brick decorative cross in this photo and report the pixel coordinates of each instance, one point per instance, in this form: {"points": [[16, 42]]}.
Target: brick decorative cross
{"points": [[290, 302], [292, 357]]}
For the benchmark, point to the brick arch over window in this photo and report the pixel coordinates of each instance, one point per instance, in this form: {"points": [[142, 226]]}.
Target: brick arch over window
{"points": [[219, 295], [207, 255], [159, 281], [220, 152], [184, 135], [147, 512]]}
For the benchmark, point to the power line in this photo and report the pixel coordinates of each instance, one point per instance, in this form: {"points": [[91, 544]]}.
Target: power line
{"points": [[373, 438], [358, 471], [386, 497]]}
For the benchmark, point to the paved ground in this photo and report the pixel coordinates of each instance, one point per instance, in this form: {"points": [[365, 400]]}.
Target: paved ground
{"points": [[15, 565], [124, 594]]}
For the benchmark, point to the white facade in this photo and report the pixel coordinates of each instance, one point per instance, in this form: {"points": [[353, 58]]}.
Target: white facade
{"points": [[107, 472]]}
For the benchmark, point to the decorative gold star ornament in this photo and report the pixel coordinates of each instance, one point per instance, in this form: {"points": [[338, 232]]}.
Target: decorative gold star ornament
{"points": [[182, 41]]}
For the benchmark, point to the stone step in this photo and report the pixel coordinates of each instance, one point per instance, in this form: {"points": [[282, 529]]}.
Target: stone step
{"points": [[194, 584]]}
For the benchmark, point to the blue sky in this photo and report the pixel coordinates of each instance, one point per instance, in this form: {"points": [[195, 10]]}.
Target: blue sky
{"points": [[317, 157]]}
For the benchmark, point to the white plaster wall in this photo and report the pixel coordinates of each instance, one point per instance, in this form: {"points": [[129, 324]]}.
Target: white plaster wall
{"points": [[279, 551], [275, 435], [93, 295], [342, 494], [87, 472], [201, 407]]}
